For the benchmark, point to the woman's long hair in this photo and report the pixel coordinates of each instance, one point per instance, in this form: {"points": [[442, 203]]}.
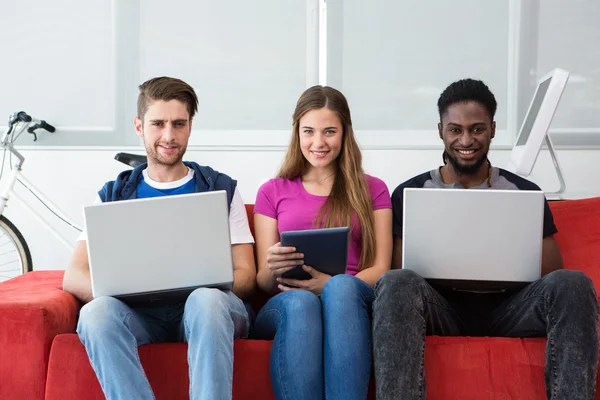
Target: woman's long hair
{"points": [[350, 191]]}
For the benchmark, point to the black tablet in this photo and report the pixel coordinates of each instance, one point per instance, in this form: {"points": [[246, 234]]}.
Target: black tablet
{"points": [[326, 250]]}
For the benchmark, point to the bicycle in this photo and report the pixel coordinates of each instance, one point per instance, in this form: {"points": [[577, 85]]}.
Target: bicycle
{"points": [[15, 257]]}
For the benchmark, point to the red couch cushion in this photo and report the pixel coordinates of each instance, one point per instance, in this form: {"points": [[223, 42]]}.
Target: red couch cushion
{"points": [[578, 223], [250, 213], [33, 309], [484, 368], [70, 375], [456, 368]]}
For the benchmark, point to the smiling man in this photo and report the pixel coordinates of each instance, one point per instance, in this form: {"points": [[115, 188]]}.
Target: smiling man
{"points": [[561, 305], [209, 319]]}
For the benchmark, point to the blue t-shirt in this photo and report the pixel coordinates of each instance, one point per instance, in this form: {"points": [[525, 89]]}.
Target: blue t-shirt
{"points": [[145, 191]]}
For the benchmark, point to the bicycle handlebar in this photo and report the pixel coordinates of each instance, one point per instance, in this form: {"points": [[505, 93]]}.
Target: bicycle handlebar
{"points": [[28, 122], [23, 116], [47, 126]]}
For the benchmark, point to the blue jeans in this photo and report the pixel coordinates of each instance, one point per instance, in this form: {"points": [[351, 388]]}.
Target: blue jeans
{"points": [[320, 344], [208, 321], [562, 306]]}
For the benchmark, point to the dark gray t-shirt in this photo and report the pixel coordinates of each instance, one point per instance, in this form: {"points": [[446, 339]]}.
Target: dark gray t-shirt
{"points": [[500, 179]]}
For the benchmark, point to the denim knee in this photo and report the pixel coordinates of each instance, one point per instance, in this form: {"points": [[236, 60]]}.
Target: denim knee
{"points": [[341, 285], [207, 302], [572, 285], [564, 279], [207, 298], [398, 278], [298, 302], [100, 315]]}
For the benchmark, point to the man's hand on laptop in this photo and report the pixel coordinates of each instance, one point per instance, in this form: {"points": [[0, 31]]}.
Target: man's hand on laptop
{"points": [[315, 284]]}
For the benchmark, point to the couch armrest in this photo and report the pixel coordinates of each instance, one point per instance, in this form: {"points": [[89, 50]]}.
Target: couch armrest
{"points": [[578, 223], [33, 310]]}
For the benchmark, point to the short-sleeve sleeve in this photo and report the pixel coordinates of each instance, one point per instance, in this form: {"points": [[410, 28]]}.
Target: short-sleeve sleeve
{"points": [[380, 194], [265, 204], [418, 181], [239, 228], [523, 184]]}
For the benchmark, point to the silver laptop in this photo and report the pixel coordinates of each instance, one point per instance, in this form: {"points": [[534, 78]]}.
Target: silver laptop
{"points": [[473, 239], [158, 250]]}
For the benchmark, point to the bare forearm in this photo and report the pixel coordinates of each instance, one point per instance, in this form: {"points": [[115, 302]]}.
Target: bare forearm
{"points": [[77, 282], [244, 284], [546, 269], [551, 257], [265, 281]]}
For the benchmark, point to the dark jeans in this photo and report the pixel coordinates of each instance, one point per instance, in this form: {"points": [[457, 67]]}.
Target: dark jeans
{"points": [[562, 305]]}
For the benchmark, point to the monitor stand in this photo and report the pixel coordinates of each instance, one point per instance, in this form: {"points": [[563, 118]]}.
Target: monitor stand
{"points": [[561, 179]]}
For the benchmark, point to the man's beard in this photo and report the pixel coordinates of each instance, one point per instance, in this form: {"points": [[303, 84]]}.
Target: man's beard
{"points": [[461, 169], [154, 154]]}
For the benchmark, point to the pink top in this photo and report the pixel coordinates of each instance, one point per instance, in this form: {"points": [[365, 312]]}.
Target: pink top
{"points": [[294, 208]]}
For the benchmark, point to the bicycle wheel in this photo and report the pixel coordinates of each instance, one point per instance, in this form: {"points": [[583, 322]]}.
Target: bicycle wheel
{"points": [[15, 258]]}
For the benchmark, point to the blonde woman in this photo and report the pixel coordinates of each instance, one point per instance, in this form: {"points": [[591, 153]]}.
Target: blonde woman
{"points": [[321, 326]]}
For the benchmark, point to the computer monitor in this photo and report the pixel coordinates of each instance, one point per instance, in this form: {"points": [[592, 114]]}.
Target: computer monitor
{"points": [[537, 121]]}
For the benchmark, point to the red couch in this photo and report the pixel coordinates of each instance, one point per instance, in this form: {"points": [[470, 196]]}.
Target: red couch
{"points": [[41, 357]]}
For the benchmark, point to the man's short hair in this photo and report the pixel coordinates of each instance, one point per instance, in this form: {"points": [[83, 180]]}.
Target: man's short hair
{"points": [[467, 90], [165, 88]]}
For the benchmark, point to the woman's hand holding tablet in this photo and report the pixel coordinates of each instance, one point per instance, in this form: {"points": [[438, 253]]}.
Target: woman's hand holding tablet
{"points": [[281, 259], [325, 249], [314, 284]]}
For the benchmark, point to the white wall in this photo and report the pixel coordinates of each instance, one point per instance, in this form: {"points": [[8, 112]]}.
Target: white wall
{"points": [[71, 178], [78, 64]]}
